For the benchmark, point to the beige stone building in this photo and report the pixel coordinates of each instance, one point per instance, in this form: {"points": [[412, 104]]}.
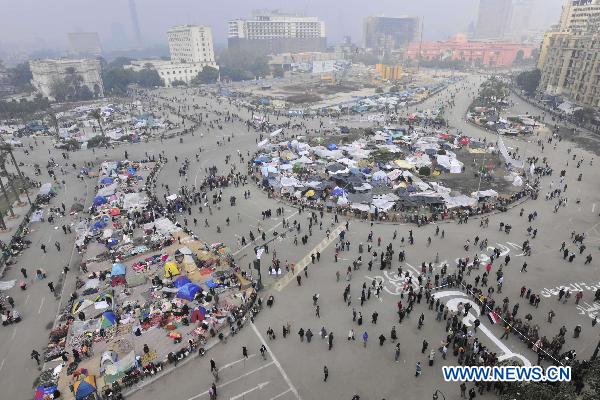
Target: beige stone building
{"points": [[570, 54]]}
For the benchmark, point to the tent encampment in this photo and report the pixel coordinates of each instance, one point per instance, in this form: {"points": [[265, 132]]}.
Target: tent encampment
{"points": [[188, 291], [171, 269]]}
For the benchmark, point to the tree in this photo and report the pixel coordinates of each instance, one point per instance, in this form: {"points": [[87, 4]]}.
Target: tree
{"points": [[378, 90], [206, 75], [529, 81], [20, 77], [97, 115], [519, 58], [584, 115], [240, 64]]}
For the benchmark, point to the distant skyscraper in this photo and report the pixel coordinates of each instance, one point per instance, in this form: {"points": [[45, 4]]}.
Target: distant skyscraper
{"points": [[84, 44], [386, 34], [135, 23], [493, 19]]}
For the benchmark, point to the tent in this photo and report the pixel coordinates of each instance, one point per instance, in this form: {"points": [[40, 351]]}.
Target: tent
{"points": [[99, 224], [115, 211], [99, 200], [117, 269], [84, 387], [108, 358], [211, 283], [338, 191], [332, 146], [108, 319], [42, 392], [80, 305], [181, 281], [188, 291], [171, 269], [106, 180]]}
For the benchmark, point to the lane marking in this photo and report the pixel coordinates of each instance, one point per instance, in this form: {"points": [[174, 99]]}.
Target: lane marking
{"points": [[41, 305], [280, 394], [276, 362], [257, 387], [269, 230], [299, 267], [232, 380], [14, 333], [231, 364], [27, 299], [2, 364]]}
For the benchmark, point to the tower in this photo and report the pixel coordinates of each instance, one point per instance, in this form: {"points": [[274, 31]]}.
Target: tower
{"points": [[135, 23]]}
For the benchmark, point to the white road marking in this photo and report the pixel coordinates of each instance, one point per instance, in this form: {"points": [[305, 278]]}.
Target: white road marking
{"points": [[280, 394], [257, 387], [2, 364], [27, 299], [41, 305], [232, 380], [14, 333], [269, 230], [593, 207], [231, 364], [276, 362]]}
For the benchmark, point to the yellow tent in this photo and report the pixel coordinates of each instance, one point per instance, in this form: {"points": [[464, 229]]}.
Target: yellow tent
{"points": [[403, 164], [171, 269], [310, 193]]}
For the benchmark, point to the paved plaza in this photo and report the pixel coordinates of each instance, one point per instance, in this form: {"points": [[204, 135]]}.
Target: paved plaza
{"points": [[293, 368]]}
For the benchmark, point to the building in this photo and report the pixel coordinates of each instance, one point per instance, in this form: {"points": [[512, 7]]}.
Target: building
{"points": [[476, 53], [169, 71], [493, 20], [84, 44], [389, 72], [46, 72], [274, 32], [191, 44], [570, 54], [385, 34]]}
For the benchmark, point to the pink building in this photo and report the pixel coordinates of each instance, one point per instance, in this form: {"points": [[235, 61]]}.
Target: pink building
{"points": [[487, 53]]}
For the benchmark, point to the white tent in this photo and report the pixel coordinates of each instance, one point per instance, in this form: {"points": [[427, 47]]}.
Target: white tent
{"points": [[277, 132]]}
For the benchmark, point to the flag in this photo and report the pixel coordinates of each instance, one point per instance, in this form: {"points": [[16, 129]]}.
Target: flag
{"points": [[493, 317]]}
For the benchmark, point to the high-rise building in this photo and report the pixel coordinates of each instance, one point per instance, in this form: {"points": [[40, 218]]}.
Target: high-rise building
{"points": [[493, 19], [191, 44], [135, 23], [272, 32], [390, 33], [84, 44], [570, 54]]}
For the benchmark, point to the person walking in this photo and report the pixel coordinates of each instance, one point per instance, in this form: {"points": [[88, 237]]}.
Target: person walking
{"points": [[51, 287], [463, 390], [213, 365], [397, 352], [24, 273], [244, 352], [330, 339], [418, 369], [325, 373], [43, 247], [35, 356], [365, 338]]}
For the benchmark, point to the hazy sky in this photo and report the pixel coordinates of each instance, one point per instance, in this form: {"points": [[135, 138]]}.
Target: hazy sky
{"points": [[34, 24]]}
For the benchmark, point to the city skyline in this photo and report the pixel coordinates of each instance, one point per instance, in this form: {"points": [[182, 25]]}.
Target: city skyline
{"points": [[46, 27]]}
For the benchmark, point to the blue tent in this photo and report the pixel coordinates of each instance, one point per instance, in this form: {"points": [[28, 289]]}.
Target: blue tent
{"points": [[99, 200], [181, 281], [99, 225], [332, 146], [131, 170], [106, 180], [211, 284], [188, 291], [337, 191], [117, 269]]}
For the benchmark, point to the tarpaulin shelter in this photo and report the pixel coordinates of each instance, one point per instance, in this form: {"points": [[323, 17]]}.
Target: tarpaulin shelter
{"points": [[332, 146], [188, 291], [84, 387], [338, 191], [99, 200], [117, 269], [181, 281], [42, 392], [108, 319], [211, 283], [171, 269], [106, 180], [108, 358], [80, 305]]}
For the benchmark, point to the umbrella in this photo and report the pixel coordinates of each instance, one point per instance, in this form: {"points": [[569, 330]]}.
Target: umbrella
{"points": [[108, 319], [332, 146], [115, 211], [310, 193]]}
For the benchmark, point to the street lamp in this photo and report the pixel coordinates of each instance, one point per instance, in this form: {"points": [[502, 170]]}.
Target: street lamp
{"points": [[435, 394]]}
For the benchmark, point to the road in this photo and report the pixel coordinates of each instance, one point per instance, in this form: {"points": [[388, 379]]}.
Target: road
{"points": [[293, 369]]}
